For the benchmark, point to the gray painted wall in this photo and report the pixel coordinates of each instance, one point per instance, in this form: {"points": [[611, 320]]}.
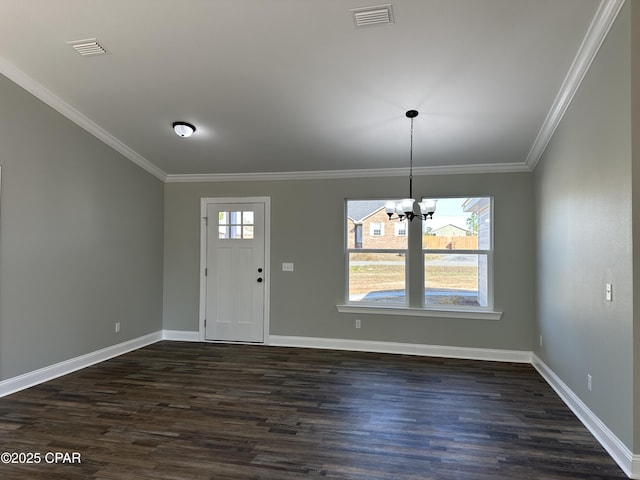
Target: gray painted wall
{"points": [[307, 229], [81, 239], [81, 244], [635, 167], [584, 239]]}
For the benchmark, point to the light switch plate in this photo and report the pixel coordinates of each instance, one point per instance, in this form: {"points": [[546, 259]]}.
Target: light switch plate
{"points": [[287, 267]]}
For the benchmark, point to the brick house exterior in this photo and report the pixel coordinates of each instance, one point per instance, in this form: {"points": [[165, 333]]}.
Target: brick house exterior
{"points": [[368, 226]]}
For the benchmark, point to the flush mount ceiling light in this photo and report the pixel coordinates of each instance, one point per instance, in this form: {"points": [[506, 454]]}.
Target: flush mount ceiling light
{"points": [[405, 208], [183, 129]]}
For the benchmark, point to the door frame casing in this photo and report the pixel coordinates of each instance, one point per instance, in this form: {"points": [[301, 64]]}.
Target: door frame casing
{"points": [[204, 203]]}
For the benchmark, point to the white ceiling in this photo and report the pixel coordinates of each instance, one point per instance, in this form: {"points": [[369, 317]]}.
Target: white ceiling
{"points": [[294, 86]]}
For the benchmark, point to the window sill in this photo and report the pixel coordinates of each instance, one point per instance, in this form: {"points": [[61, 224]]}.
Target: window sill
{"points": [[420, 312]]}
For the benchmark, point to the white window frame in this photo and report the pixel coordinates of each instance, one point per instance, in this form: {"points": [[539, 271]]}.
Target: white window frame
{"points": [[376, 227], [488, 252], [397, 251], [453, 311]]}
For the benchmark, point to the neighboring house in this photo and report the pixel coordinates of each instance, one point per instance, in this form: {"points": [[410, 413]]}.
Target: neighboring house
{"points": [[369, 226], [450, 231], [481, 206]]}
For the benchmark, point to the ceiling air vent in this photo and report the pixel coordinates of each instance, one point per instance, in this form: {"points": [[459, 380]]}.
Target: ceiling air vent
{"points": [[88, 47], [377, 15]]}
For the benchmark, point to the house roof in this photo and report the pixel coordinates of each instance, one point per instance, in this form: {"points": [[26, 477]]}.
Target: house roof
{"points": [[360, 210], [289, 86], [449, 226]]}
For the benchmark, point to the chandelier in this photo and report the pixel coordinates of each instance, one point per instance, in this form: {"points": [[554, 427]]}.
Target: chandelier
{"points": [[405, 209]]}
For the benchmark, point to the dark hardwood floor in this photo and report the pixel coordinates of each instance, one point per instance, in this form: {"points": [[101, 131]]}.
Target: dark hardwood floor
{"points": [[208, 411]]}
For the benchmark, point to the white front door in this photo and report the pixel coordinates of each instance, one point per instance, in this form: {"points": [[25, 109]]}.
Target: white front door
{"points": [[235, 271]]}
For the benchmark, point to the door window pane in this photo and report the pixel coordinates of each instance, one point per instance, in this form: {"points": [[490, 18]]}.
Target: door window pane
{"points": [[236, 232], [236, 225], [247, 218]]}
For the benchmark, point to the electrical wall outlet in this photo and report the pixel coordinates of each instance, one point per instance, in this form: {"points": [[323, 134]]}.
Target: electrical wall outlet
{"points": [[117, 327], [358, 323], [608, 292], [287, 267], [540, 340], [589, 382]]}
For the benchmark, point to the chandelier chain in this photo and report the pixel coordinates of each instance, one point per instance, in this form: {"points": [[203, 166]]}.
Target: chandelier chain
{"points": [[411, 162], [405, 209]]}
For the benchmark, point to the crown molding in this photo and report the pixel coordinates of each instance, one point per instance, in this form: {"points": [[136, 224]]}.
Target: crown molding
{"points": [[17, 76], [600, 25], [30, 85], [36, 89], [338, 174]]}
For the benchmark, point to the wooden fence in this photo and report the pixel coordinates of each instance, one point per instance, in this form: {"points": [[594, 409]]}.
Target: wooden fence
{"points": [[450, 243]]}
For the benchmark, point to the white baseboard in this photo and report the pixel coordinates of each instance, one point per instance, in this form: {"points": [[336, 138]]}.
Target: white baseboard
{"points": [[15, 384], [628, 462], [181, 335], [518, 356]]}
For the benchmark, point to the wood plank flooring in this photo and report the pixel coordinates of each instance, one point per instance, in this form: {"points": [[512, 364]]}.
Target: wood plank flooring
{"points": [[177, 410]]}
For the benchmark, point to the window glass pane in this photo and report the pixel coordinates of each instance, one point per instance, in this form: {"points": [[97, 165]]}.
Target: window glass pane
{"points": [[247, 218], [377, 277], [223, 231], [236, 231], [376, 229], [400, 229], [247, 232], [456, 279], [459, 224], [223, 218], [235, 217], [368, 226]]}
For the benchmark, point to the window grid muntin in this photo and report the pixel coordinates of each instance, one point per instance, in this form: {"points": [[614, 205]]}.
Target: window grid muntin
{"points": [[236, 225], [488, 252]]}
